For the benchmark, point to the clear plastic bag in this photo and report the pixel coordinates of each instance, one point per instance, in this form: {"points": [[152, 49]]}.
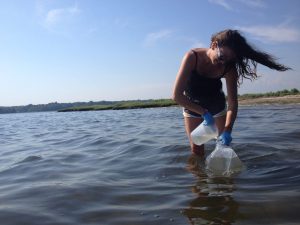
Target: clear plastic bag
{"points": [[223, 161], [204, 133]]}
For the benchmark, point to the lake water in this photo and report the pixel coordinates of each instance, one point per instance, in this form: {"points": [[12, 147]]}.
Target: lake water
{"points": [[133, 167]]}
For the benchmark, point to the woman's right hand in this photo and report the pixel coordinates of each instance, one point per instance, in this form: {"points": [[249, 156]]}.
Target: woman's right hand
{"points": [[208, 119]]}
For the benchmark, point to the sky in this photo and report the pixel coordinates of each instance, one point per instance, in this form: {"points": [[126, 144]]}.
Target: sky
{"points": [[92, 50]]}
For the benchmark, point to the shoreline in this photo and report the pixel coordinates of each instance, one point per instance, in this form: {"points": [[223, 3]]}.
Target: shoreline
{"points": [[288, 99], [285, 96], [242, 101]]}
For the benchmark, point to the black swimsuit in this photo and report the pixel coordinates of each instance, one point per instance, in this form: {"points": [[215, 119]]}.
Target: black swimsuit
{"points": [[206, 92]]}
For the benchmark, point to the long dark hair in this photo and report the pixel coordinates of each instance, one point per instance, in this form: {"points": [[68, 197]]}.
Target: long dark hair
{"points": [[247, 56]]}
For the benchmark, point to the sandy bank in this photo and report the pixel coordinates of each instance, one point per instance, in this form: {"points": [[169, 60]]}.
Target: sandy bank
{"points": [[288, 99]]}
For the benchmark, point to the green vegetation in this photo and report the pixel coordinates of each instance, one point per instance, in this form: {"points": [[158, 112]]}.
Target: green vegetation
{"points": [[168, 102], [125, 105], [114, 105], [54, 106], [284, 92]]}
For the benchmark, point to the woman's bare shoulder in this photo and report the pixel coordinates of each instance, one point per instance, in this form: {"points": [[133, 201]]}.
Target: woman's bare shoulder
{"points": [[194, 55], [198, 50], [201, 52]]}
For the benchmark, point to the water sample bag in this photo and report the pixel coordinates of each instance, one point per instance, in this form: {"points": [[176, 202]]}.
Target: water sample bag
{"points": [[204, 133], [223, 161]]}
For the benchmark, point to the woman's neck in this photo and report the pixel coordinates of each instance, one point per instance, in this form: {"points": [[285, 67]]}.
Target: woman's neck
{"points": [[208, 66]]}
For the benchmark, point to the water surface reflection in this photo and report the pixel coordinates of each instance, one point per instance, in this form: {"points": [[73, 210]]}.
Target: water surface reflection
{"points": [[214, 202]]}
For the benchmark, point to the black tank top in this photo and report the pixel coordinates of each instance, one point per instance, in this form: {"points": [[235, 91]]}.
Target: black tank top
{"points": [[200, 86]]}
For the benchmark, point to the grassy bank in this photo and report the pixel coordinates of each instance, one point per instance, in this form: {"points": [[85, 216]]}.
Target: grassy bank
{"points": [[280, 97], [282, 93], [125, 105]]}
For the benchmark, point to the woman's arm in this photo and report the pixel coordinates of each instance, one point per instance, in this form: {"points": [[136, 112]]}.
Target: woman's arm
{"points": [[185, 70], [232, 99]]}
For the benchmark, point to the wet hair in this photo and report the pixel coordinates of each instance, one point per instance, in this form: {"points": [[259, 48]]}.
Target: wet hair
{"points": [[247, 56]]}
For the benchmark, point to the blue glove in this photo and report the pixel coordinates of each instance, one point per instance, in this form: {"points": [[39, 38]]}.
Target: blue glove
{"points": [[225, 138], [208, 119]]}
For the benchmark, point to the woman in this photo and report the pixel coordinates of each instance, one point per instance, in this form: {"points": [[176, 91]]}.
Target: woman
{"points": [[198, 86]]}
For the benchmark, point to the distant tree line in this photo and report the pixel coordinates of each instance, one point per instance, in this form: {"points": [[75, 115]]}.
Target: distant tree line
{"points": [[125, 105], [284, 92], [54, 106]]}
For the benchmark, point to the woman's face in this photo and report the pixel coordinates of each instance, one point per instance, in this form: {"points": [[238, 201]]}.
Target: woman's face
{"points": [[224, 55]]}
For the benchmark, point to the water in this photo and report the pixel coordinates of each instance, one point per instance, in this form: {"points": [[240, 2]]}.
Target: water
{"points": [[134, 167]]}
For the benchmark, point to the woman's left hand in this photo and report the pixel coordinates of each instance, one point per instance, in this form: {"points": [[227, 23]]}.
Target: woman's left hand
{"points": [[225, 138]]}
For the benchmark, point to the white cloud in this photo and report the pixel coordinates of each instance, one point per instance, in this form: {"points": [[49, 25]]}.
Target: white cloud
{"points": [[272, 33], [168, 34], [249, 3], [51, 17], [152, 38], [253, 3], [55, 16], [222, 3]]}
